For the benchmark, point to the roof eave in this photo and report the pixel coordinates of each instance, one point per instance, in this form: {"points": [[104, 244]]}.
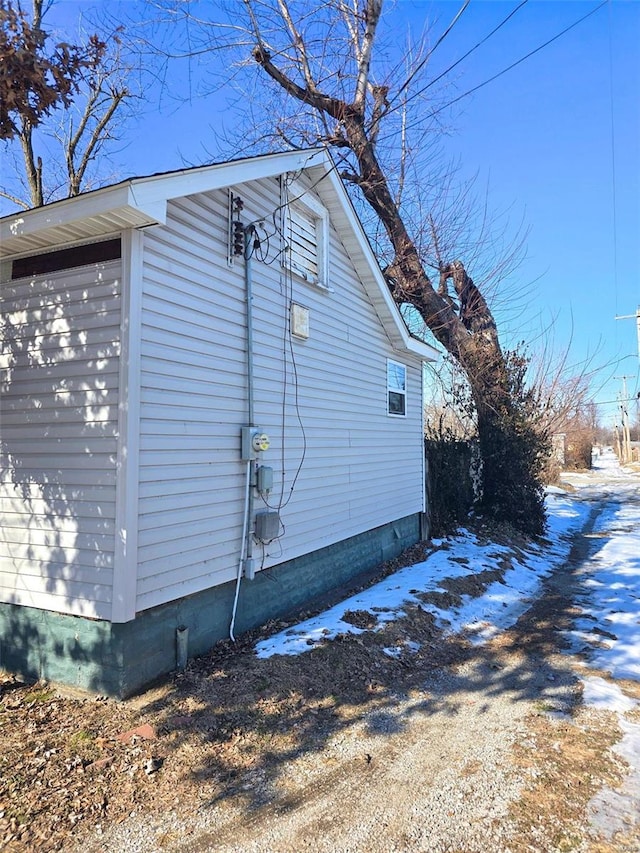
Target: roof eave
{"points": [[136, 203], [72, 220], [142, 202], [422, 349]]}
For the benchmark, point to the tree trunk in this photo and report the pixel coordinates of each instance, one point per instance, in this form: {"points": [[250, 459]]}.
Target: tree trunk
{"points": [[509, 446], [467, 330], [33, 166]]}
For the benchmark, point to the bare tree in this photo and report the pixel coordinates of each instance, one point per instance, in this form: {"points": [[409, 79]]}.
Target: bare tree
{"points": [[328, 74], [88, 81], [85, 131]]}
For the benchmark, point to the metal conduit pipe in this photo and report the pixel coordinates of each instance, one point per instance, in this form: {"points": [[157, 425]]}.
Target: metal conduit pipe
{"points": [[248, 287], [246, 550], [245, 530]]}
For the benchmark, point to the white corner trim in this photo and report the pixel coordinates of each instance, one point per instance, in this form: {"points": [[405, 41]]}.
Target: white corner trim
{"points": [[125, 568]]}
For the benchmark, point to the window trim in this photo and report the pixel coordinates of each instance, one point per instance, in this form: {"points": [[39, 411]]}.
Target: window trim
{"points": [[402, 393]]}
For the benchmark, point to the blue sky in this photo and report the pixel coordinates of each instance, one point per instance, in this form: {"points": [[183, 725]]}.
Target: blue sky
{"points": [[556, 139], [551, 135]]}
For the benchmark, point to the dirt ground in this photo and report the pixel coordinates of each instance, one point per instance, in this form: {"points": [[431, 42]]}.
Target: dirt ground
{"points": [[453, 747]]}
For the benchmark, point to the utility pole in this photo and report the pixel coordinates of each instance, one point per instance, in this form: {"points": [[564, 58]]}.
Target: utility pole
{"points": [[635, 317], [626, 436], [625, 455], [616, 446]]}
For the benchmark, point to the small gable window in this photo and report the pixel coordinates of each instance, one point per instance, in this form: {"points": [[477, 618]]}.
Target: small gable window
{"points": [[396, 389], [305, 235]]}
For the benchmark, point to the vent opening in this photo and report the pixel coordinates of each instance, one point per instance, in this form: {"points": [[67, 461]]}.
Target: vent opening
{"points": [[66, 259]]}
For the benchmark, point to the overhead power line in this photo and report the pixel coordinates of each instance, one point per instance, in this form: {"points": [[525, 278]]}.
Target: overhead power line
{"points": [[453, 65], [430, 53], [510, 67], [619, 400]]}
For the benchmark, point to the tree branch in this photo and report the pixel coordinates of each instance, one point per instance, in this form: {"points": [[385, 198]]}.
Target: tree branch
{"points": [[76, 175], [299, 45], [315, 99], [14, 200], [372, 16], [380, 103]]}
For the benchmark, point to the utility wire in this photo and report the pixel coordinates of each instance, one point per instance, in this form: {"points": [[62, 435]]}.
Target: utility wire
{"points": [[430, 53], [616, 402], [510, 67], [451, 67]]}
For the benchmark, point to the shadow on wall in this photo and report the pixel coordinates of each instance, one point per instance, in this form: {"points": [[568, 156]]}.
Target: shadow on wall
{"points": [[58, 440]]}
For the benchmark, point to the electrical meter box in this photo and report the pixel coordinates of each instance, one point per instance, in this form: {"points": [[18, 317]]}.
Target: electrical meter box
{"points": [[252, 442], [267, 525]]}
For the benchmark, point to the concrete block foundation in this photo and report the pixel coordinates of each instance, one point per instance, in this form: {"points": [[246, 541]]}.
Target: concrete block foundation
{"points": [[120, 659]]}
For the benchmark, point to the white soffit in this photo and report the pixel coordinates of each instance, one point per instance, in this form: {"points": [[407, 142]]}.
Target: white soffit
{"points": [[86, 217]]}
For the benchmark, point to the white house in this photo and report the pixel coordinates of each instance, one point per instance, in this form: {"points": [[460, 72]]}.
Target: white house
{"points": [[211, 411]]}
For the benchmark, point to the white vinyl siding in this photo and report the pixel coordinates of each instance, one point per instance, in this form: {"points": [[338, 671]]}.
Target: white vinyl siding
{"points": [[361, 468], [192, 403], [58, 438]]}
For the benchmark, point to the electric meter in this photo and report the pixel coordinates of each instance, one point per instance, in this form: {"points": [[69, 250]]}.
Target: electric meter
{"points": [[253, 441], [260, 442]]}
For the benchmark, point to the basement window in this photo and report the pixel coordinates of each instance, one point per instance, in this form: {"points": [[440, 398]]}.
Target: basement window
{"points": [[306, 231], [66, 259], [396, 389]]}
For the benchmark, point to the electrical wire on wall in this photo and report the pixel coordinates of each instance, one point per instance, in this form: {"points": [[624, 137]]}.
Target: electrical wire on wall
{"points": [[286, 277], [270, 245]]}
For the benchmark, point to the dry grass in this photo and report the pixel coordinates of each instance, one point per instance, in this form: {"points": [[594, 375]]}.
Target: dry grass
{"points": [[232, 718]]}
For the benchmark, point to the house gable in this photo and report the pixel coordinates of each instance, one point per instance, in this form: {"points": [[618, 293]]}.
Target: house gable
{"points": [[142, 203]]}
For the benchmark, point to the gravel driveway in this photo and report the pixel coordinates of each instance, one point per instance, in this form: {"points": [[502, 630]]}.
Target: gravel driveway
{"points": [[482, 748]]}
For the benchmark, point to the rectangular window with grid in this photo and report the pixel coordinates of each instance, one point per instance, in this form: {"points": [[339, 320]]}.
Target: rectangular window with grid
{"points": [[396, 389]]}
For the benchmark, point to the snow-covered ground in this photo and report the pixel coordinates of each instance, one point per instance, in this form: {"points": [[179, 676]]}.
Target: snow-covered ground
{"points": [[607, 633], [609, 629], [610, 625]]}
